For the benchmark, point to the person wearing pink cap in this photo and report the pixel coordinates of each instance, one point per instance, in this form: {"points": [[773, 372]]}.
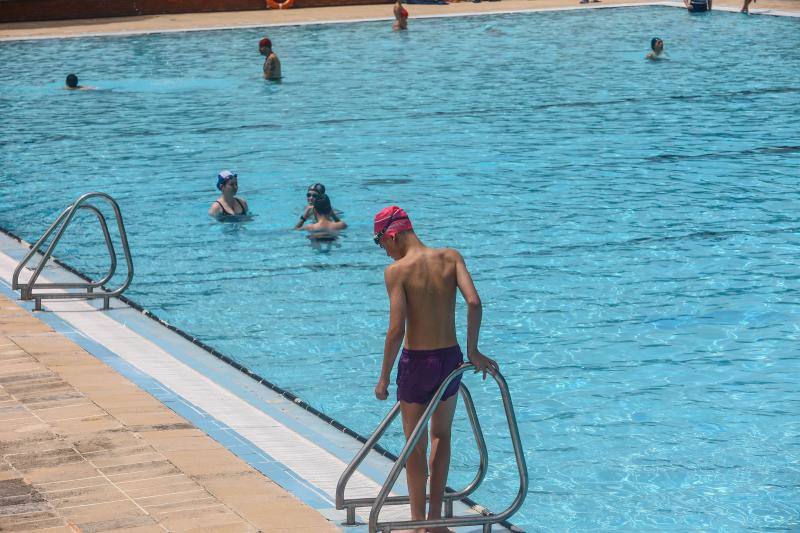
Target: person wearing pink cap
{"points": [[422, 284], [272, 65]]}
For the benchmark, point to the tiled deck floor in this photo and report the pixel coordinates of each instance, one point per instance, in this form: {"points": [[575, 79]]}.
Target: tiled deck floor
{"points": [[84, 449]]}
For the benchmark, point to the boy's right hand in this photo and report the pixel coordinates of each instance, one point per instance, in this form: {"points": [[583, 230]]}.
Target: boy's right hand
{"points": [[382, 389], [482, 363]]}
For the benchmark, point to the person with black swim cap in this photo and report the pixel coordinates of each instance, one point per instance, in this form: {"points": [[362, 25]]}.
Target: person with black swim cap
{"points": [[72, 84], [325, 228], [656, 48], [314, 192]]}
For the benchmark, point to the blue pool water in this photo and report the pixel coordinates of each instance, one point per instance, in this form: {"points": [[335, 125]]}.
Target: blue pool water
{"points": [[632, 228]]}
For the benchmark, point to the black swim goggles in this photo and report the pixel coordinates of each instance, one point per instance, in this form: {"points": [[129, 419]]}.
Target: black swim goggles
{"points": [[378, 236]]}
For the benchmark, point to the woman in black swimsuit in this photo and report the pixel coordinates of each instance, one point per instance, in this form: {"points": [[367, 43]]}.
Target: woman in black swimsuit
{"points": [[227, 204]]}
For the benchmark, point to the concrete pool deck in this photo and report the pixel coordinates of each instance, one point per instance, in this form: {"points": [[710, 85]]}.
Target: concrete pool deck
{"points": [[84, 449], [265, 18]]}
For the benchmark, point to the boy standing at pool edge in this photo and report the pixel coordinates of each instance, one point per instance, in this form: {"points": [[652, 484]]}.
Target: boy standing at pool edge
{"points": [[421, 284]]}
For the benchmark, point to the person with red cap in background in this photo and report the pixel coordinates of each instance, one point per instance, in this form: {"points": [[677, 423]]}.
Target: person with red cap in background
{"points": [[272, 65], [400, 17], [422, 284]]}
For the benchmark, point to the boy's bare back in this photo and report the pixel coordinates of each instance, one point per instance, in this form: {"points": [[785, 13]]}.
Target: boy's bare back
{"points": [[429, 280]]}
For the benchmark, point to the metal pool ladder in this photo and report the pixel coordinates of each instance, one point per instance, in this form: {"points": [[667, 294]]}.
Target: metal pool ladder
{"points": [[383, 498], [61, 224]]}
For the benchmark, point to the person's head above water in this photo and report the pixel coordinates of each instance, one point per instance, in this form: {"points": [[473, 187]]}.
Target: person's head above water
{"points": [[656, 44], [225, 177], [315, 191], [322, 205], [72, 81], [388, 224], [264, 45]]}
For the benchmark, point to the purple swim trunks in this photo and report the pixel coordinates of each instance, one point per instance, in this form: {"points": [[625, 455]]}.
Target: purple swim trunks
{"points": [[420, 372]]}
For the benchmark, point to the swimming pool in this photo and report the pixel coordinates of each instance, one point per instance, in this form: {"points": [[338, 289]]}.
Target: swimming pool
{"points": [[632, 228]]}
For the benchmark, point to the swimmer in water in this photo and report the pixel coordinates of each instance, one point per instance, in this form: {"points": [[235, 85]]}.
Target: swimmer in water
{"points": [[272, 65], [422, 283], [656, 48], [325, 228], [697, 6], [72, 84], [400, 17], [228, 205], [314, 191]]}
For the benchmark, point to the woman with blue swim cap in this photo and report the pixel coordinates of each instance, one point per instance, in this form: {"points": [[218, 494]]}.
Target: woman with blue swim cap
{"points": [[228, 204]]}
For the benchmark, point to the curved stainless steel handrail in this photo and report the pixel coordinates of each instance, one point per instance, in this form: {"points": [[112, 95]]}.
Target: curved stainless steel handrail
{"points": [[484, 520], [61, 223], [15, 284], [483, 466]]}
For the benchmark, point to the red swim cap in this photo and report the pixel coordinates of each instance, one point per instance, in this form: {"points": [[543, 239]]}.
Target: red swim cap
{"points": [[264, 42], [391, 221]]}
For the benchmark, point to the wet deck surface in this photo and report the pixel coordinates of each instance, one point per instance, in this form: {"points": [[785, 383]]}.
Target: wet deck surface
{"points": [[84, 449]]}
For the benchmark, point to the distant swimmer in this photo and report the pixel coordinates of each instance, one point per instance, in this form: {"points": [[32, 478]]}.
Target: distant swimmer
{"points": [[314, 191], [422, 284], [228, 205], [325, 228], [72, 84], [656, 48], [272, 65], [400, 17], [697, 6]]}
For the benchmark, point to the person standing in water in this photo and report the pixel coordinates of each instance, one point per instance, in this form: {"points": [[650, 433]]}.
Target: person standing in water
{"points": [[400, 17], [325, 227], [656, 48], [228, 204], [697, 6], [315, 191], [422, 284], [272, 65]]}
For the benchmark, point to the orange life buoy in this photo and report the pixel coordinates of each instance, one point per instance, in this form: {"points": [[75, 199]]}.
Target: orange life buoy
{"points": [[286, 4]]}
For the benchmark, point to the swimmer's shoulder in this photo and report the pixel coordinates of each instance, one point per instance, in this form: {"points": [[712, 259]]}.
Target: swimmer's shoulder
{"points": [[394, 272], [449, 254]]}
